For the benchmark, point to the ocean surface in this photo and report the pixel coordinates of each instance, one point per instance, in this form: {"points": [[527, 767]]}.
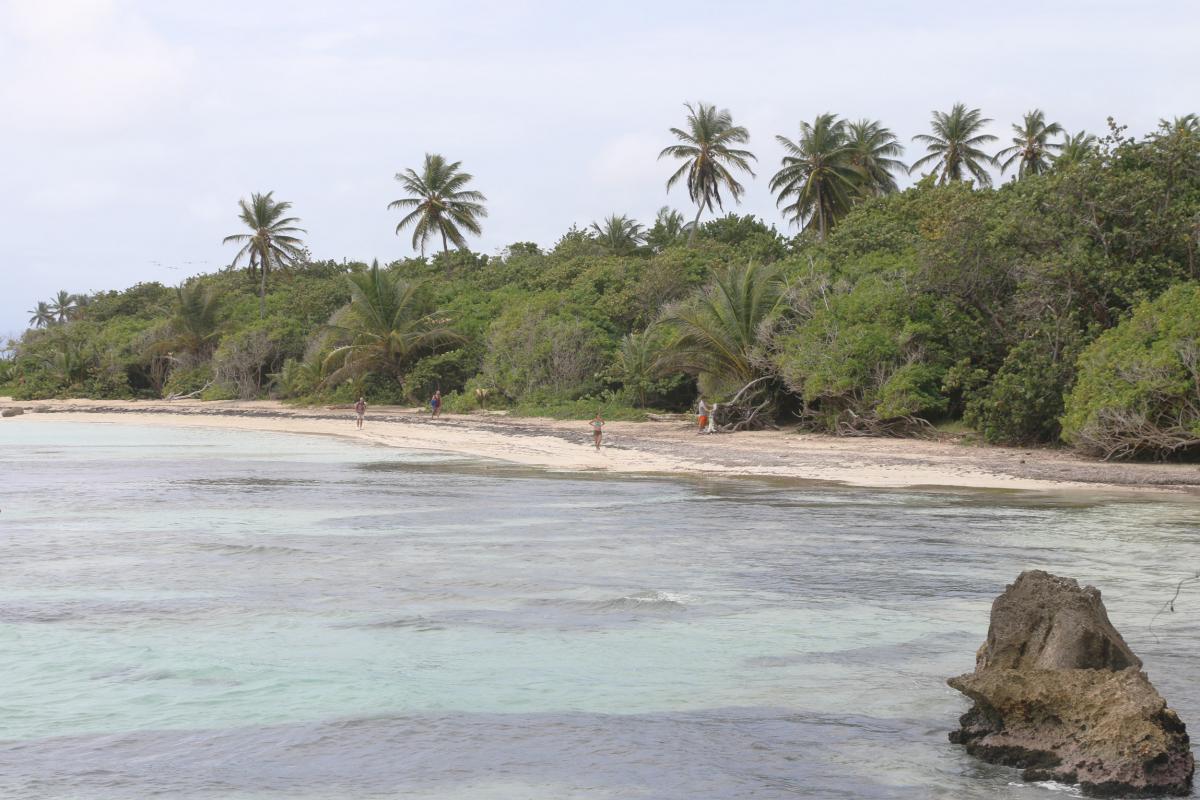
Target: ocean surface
{"points": [[205, 614]]}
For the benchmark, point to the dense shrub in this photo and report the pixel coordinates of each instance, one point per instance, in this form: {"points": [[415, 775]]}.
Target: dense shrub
{"points": [[1024, 401], [1138, 391]]}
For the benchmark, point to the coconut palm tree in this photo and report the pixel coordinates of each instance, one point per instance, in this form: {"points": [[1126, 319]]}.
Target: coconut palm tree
{"points": [[818, 175], [42, 316], [719, 333], [1031, 148], [1075, 148], [384, 328], [63, 306], [708, 158], [873, 150], [953, 148], [439, 203], [618, 234], [273, 244]]}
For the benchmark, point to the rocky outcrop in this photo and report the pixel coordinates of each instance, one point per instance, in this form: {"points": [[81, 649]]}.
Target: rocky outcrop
{"points": [[1059, 693], [14, 411]]}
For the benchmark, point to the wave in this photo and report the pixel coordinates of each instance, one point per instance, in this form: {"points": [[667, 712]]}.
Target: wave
{"points": [[648, 600], [252, 549]]}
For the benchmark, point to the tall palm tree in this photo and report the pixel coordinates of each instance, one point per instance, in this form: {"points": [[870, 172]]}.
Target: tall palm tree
{"points": [[384, 328], [1075, 148], [619, 234], [439, 203], [1031, 148], [708, 159], [63, 306], [1184, 127], [873, 150], [818, 172], [42, 316], [953, 147], [273, 243]]}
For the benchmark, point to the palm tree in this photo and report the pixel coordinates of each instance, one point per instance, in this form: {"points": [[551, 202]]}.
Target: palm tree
{"points": [[1184, 127], [272, 245], [669, 226], [384, 328], [640, 360], [818, 172], [719, 333], [1075, 148], [42, 316], [440, 203], [1031, 147], [954, 146], [63, 306], [872, 150], [619, 234], [708, 158], [194, 322]]}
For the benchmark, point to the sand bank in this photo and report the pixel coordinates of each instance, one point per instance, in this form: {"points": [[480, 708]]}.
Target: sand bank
{"points": [[649, 447]]}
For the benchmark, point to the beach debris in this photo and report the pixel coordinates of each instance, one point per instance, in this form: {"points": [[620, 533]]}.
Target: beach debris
{"points": [[13, 411], [1058, 693]]}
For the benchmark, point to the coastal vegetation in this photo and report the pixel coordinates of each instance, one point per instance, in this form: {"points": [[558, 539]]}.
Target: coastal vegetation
{"points": [[1057, 306]]}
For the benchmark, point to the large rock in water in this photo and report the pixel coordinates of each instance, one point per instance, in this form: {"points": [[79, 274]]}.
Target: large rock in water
{"points": [[1058, 692]]}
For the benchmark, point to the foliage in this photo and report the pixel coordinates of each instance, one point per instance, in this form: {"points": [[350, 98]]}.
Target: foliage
{"points": [[1031, 148], [385, 327], [1138, 390]]}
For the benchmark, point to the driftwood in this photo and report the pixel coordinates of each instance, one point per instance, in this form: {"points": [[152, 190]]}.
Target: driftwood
{"points": [[742, 412], [189, 395]]}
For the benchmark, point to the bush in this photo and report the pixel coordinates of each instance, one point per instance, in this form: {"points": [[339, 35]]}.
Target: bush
{"points": [[1024, 401], [1138, 391]]}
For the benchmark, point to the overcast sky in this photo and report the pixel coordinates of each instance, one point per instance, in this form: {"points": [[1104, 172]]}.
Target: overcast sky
{"points": [[130, 129]]}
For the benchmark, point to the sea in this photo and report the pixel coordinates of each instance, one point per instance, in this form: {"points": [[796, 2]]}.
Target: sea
{"points": [[214, 614]]}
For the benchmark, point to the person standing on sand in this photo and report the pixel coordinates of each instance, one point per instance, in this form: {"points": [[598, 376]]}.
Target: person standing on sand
{"points": [[360, 408], [597, 424], [701, 415], [435, 402]]}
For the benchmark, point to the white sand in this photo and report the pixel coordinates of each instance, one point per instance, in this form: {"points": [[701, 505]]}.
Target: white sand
{"points": [[644, 447]]}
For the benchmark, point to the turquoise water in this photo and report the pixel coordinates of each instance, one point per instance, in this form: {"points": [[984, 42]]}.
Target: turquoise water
{"points": [[206, 614]]}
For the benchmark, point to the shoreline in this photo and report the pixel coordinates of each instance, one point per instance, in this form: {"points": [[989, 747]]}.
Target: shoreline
{"points": [[670, 448]]}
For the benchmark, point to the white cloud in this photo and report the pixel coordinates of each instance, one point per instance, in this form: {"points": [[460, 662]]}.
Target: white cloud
{"points": [[78, 66]]}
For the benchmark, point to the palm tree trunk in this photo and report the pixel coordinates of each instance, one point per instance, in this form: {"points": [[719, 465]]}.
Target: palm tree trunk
{"points": [[262, 285], [695, 225], [445, 246]]}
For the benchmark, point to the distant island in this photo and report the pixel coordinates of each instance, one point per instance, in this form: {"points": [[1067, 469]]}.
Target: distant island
{"points": [[1061, 306]]}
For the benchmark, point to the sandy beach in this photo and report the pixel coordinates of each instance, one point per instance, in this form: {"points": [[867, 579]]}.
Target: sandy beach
{"points": [[649, 447]]}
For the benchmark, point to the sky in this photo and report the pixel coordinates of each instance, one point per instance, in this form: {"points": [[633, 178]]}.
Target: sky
{"points": [[131, 129]]}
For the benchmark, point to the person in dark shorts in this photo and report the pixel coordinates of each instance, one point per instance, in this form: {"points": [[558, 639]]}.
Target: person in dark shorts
{"points": [[360, 408], [435, 402]]}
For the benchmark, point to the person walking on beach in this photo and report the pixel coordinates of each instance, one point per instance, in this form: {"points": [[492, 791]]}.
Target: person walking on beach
{"points": [[360, 408], [701, 415], [597, 424], [435, 403]]}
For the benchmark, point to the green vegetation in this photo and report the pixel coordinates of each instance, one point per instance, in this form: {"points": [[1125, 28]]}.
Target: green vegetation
{"points": [[1059, 305]]}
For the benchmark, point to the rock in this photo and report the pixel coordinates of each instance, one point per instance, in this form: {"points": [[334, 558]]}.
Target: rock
{"points": [[15, 411], [1059, 693]]}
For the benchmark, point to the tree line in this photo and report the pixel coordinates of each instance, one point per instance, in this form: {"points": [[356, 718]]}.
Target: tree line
{"points": [[1057, 306]]}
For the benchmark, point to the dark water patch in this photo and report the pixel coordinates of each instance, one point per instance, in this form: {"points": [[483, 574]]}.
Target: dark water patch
{"points": [[252, 549], [767, 753], [418, 624]]}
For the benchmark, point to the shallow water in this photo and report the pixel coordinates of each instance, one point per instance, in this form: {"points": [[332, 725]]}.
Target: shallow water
{"points": [[207, 614]]}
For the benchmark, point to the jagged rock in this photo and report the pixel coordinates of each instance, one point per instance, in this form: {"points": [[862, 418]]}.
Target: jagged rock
{"points": [[15, 411], [1059, 693]]}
